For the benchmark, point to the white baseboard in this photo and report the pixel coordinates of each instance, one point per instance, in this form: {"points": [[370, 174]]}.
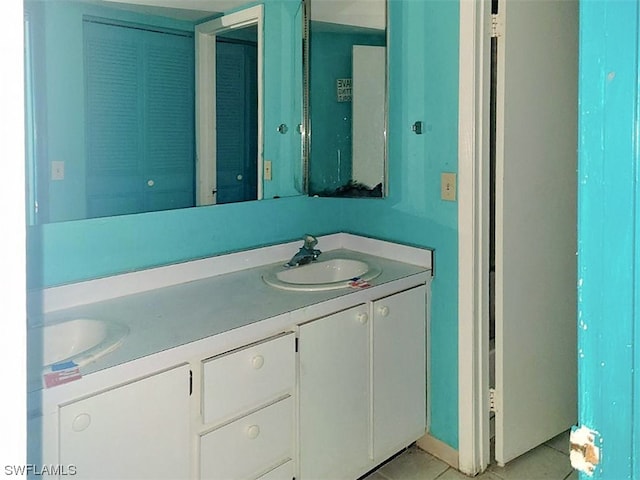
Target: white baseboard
{"points": [[439, 449]]}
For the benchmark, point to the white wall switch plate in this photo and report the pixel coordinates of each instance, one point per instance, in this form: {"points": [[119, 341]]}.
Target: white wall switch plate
{"points": [[267, 169], [448, 187], [57, 170]]}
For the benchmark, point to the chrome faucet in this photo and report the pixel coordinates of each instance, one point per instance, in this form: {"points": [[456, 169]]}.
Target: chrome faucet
{"points": [[306, 254]]}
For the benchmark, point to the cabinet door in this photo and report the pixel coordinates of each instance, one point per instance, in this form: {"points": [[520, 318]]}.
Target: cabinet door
{"points": [[334, 396], [136, 431], [399, 371]]}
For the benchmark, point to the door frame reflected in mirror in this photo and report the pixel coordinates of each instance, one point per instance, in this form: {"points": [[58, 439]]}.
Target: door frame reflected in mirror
{"points": [[206, 132]]}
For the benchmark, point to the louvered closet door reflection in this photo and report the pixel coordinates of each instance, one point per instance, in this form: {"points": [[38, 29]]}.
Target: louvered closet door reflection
{"points": [[169, 154], [236, 122], [139, 133]]}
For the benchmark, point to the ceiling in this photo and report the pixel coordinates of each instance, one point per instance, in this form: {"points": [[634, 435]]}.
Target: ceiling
{"points": [[190, 10]]}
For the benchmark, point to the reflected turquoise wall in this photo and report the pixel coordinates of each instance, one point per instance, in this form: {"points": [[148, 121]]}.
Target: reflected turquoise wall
{"points": [[283, 96], [424, 86]]}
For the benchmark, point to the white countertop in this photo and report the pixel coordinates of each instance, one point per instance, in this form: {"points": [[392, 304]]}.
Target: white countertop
{"points": [[164, 318]]}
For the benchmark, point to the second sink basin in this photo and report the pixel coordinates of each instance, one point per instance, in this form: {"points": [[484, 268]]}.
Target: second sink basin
{"points": [[81, 340], [322, 275]]}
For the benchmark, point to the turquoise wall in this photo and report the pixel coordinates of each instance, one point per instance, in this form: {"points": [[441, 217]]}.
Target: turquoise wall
{"points": [[423, 86], [66, 252], [608, 234]]}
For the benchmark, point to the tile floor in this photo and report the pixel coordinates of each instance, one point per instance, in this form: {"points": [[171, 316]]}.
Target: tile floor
{"points": [[549, 461]]}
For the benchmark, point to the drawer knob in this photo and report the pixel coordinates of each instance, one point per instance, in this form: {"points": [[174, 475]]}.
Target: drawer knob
{"points": [[363, 318], [253, 431], [257, 362], [81, 422], [383, 310]]}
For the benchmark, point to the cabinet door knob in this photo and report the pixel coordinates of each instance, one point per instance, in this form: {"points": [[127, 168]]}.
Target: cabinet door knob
{"points": [[383, 310], [363, 318], [257, 362], [151, 183], [81, 422], [253, 431]]}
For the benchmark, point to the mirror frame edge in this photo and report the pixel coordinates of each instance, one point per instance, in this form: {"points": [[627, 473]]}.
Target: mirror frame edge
{"points": [[306, 117]]}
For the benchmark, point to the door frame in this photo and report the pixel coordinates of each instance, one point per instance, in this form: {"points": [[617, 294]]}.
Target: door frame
{"points": [[473, 236], [205, 45], [13, 343]]}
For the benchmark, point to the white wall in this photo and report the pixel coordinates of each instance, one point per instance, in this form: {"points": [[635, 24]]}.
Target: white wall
{"points": [[12, 258], [361, 13], [368, 115]]}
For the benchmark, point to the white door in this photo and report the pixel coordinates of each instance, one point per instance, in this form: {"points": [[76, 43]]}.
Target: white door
{"points": [[138, 430], [536, 141], [334, 395], [399, 377]]}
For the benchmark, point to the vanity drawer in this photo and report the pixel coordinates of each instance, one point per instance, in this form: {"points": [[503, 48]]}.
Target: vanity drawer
{"points": [[244, 379], [250, 445]]}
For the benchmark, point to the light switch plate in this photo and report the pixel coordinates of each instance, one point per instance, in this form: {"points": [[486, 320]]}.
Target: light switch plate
{"points": [[57, 170], [448, 187], [267, 169]]}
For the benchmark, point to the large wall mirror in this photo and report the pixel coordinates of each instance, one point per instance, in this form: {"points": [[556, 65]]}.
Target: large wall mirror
{"points": [[346, 102], [144, 105]]}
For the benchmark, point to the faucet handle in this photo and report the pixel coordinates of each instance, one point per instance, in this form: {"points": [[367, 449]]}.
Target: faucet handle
{"points": [[309, 241]]}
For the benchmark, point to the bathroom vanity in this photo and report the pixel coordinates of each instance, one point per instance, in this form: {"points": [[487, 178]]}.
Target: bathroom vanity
{"points": [[223, 376]]}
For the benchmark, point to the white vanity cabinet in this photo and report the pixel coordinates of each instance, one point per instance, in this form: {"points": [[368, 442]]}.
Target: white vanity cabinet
{"points": [[137, 430], [248, 412], [334, 395], [398, 366], [362, 385], [255, 383]]}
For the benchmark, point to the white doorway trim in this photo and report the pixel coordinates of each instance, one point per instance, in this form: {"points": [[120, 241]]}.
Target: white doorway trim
{"points": [[206, 97], [13, 343], [473, 235]]}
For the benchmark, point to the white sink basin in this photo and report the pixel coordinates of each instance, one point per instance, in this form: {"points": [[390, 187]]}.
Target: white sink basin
{"points": [[322, 275], [80, 340]]}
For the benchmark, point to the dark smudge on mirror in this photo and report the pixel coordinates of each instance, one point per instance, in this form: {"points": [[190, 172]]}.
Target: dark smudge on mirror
{"points": [[346, 98]]}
